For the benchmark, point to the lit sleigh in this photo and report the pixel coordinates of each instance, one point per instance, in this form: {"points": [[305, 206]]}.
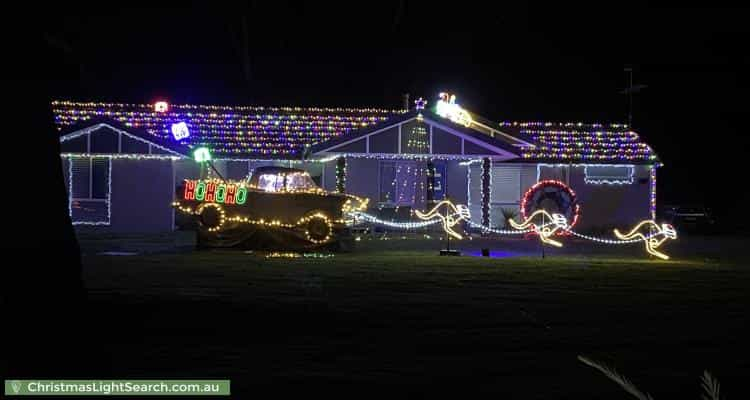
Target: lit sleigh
{"points": [[276, 208]]}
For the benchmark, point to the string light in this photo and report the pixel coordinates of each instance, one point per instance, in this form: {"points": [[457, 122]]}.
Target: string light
{"points": [[654, 237], [231, 130], [341, 174], [108, 199], [119, 156], [652, 191], [581, 142], [628, 180], [396, 225], [305, 223], [453, 215], [288, 254]]}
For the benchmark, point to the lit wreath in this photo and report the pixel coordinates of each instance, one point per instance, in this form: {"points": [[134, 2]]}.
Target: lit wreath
{"points": [[318, 237], [219, 209], [556, 191]]}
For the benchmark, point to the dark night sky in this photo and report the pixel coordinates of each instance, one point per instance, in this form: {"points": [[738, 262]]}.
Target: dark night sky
{"points": [[504, 62]]}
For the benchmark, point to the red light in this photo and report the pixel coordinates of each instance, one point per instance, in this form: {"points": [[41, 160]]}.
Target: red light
{"points": [[189, 190]]}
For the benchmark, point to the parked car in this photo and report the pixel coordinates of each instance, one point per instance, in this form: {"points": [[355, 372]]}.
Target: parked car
{"points": [[275, 208], [695, 218]]}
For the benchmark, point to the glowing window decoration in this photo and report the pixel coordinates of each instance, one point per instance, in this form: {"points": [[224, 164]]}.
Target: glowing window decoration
{"points": [[453, 215], [201, 154], [609, 174], [446, 107], [652, 234], [544, 224], [161, 106], [180, 131], [552, 196]]}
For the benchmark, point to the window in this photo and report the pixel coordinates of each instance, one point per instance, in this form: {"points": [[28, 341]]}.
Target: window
{"points": [[271, 182], [609, 174], [89, 190]]}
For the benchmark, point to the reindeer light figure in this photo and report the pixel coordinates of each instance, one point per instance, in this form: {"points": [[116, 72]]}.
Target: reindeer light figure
{"points": [[538, 222], [453, 215], [652, 234]]}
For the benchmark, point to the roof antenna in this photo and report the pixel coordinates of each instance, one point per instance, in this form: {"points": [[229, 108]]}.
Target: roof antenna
{"points": [[406, 101], [629, 91]]}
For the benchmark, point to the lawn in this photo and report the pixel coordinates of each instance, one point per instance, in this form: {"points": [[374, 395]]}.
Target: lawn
{"points": [[388, 318]]}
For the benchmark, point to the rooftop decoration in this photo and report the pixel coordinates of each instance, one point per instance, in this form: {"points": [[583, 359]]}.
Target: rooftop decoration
{"points": [[161, 106], [201, 154], [180, 131], [230, 131], [447, 107], [579, 142], [284, 132], [420, 103]]}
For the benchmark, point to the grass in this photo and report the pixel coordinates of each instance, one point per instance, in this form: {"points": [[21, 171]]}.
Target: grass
{"points": [[409, 321]]}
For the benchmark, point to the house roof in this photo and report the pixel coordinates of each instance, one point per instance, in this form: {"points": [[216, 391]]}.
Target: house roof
{"points": [[580, 142], [229, 131], [429, 116], [284, 132]]}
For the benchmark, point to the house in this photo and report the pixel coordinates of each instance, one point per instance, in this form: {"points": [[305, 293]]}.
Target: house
{"points": [[122, 162]]}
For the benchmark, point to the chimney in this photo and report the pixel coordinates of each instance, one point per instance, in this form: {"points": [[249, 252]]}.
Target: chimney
{"points": [[406, 101]]}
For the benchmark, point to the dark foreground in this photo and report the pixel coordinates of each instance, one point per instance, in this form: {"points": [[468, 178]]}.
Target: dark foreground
{"points": [[409, 322]]}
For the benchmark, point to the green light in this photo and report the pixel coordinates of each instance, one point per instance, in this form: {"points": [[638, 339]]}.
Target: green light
{"points": [[241, 195], [200, 191], [221, 193], [201, 154]]}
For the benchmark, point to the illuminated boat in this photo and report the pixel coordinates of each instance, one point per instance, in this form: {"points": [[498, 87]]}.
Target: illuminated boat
{"points": [[276, 208]]}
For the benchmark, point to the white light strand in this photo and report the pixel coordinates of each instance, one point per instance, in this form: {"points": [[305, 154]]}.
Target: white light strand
{"points": [[399, 225], [109, 194], [96, 127]]}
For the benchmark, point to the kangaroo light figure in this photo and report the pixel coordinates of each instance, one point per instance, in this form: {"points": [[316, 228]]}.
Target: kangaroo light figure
{"points": [[546, 225], [453, 215], [652, 234]]}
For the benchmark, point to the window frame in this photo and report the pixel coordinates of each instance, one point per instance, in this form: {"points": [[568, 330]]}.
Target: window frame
{"points": [[107, 199]]}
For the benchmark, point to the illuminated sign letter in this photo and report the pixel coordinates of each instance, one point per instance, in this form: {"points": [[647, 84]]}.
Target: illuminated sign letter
{"points": [[200, 191], [221, 192], [210, 192], [231, 190], [189, 190], [241, 195]]}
